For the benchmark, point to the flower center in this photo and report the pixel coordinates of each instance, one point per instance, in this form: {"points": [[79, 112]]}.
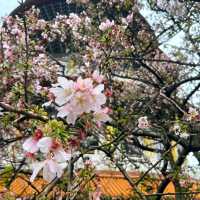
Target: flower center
{"points": [[55, 144]]}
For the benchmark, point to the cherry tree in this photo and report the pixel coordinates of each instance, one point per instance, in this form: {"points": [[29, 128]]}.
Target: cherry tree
{"points": [[117, 89]]}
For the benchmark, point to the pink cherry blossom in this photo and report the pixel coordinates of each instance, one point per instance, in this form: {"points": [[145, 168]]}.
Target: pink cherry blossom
{"points": [[48, 144], [77, 98], [106, 25], [98, 98], [64, 93], [16, 31], [9, 51], [97, 77], [73, 21], [51, 169], [128, 19], [30, 145], [81, 102], [96, 194], [68, 111], [84, 84], [41, 24], [143, 122], [192, 114], [102, 116]]}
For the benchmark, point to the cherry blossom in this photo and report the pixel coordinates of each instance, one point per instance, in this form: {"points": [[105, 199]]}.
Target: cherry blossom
{"points": [[96, 195], [55, 155], [102, 116], [9, 51], [84, 84], [106, 25], [97, 97], [77, 98], [128, 19], [68, 111], [192, 114], [74, 21], [97, 77], [64, 92], [81, 102], [28, 71], [68, 1], [47, 144], [51, 169], [143, 122], [30, 145]]}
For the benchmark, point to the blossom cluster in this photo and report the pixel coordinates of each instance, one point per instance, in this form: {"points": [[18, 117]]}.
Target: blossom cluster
{"points": [[54, 156], [106, 25], [62, 26], [192, 115], [75, 98]]}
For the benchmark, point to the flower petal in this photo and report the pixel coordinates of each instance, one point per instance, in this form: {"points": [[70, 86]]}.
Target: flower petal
{"points": [[61, 156], [30, 145], [65, 83], [98, 89], [37, 166], [48, 175], [71, 118], [44, 144]]}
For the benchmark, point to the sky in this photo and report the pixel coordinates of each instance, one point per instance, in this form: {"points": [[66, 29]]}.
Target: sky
{"points": [[7, 6]]}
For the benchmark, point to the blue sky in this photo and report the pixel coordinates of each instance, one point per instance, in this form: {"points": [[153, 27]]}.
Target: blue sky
{"points": [[6, 6]]}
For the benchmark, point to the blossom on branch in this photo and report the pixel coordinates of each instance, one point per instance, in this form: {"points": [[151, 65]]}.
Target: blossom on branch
{"points": [[101, 116], [51, 169], [106, 25], [55, 156], [30, 145], [63, 93], [143, 122], [83, 96], [48, 144]]}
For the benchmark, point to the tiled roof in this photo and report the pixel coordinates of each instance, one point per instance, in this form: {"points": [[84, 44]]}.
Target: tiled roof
{"points": [[112, 183], [23, 188]]}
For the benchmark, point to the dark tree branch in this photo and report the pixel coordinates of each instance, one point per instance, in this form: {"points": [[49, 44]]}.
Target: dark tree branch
{"points": [[136, 79], [191, 94], [169, 89], [30, 115]]}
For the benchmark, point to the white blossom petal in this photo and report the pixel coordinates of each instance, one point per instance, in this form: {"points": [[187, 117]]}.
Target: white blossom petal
{"points": [[98, 89], [37, 166], [44, 144], [30, 145], [61, 156], [47, 173]]}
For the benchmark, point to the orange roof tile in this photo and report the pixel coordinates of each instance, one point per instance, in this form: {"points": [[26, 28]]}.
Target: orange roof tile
{"points": [[112, 183], [22, 187]]}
